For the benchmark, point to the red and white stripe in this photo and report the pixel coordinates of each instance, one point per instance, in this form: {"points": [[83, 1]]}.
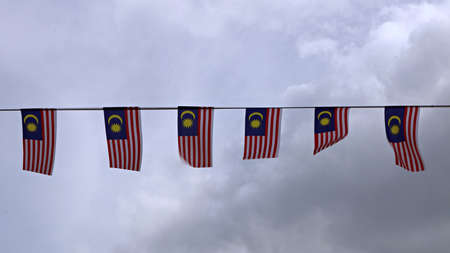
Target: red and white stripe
{"points": [[406, 152], [326, 139], [267, 146], [38, 155], [127, 153], [197, 150]]}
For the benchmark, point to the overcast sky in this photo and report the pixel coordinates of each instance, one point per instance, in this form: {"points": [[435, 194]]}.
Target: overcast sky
{"points": [[349, 198]]}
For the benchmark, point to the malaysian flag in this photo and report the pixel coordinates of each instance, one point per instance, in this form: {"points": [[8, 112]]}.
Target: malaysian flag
{"points": [[195, 135], [123, 134], [39, 133], [330, 126], [401, 130], [262, 133]]}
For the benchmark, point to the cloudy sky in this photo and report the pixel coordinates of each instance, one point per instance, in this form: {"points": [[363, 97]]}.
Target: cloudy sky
{"points": [[349, 198]]}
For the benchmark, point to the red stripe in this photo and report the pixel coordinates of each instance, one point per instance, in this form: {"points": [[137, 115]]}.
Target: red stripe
{"points": [[209, 137], [416, 112]]}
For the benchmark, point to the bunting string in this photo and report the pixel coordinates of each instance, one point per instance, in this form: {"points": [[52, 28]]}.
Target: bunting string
{"points": [[195, 133], [172, 108]]}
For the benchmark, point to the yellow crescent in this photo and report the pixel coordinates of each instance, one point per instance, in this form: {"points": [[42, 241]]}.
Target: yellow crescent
{"points": [[394, 117], [115, 116], [188, 112], [30, 116], [256, 113], [323, 112]]}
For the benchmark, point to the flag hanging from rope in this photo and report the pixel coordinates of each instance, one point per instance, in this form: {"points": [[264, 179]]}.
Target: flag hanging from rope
{"points": [[195, 135], [401, 130], [39, 133], [124, 138], [330, 126], [262, 133]]}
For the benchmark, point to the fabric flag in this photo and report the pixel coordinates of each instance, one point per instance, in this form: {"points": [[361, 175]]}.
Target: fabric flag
{"points": [[123, 134], [195, 135], [401, 130], [330, 126], [39, 133], [262, 133]]}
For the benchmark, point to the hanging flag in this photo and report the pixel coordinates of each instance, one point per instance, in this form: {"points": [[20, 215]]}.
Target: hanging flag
{"points": [[401, 128], [262, 133], [39, 133], [330, 126], [123, 134], [195, 135]]}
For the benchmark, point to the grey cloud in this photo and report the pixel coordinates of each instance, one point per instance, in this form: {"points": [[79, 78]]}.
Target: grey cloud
{"points": [[349, 198]]}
